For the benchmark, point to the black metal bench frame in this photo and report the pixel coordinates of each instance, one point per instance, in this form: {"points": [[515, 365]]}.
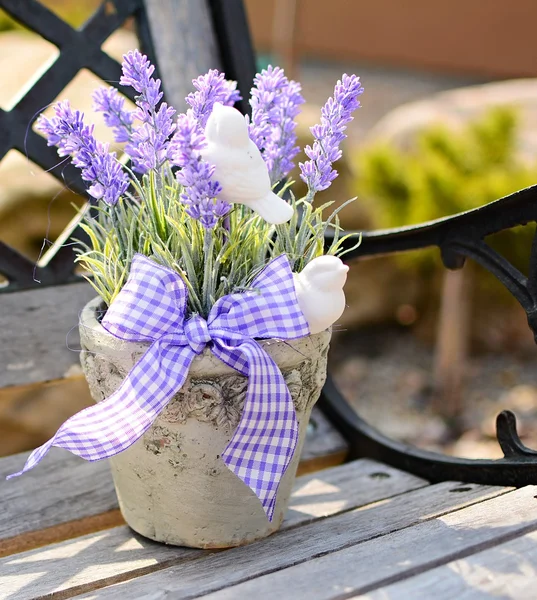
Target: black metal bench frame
{"points": [[457, 237]]}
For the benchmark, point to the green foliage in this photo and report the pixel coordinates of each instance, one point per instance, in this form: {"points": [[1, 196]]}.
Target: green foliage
{"points": [[212, 263], [73, 13], [447, 172], [7, 23]]}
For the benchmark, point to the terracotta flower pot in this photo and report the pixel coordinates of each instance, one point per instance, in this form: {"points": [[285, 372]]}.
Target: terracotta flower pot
{"points": [[172, 484]]}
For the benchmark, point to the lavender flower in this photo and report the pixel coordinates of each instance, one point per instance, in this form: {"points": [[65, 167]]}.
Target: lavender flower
{"points": [[317, 172], [199, 189], [137, 72], [264, 98], [67, 131], [111, 103], [275, 104], [148, 144], [283, 148], [211, 88]]}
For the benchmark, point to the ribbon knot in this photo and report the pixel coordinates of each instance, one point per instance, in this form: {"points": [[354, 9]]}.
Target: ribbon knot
{"points": [[197, 333], [151, 308]]}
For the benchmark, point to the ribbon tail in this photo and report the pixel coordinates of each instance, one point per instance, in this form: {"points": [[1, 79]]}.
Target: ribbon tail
{"points": [[265, 440], [111, 426]]}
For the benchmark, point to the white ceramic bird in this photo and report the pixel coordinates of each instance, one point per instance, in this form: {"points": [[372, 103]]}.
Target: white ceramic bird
{"points": [[319, 289], [240, 168]]}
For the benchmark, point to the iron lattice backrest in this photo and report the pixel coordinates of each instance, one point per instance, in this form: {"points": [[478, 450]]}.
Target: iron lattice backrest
{"points": [[225, 43]]}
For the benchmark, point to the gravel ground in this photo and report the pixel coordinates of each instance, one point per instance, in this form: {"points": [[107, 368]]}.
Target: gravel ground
{"points": [[385, 373]]}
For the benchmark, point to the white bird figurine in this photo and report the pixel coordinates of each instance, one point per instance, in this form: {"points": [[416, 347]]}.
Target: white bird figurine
{"points": [[240, 168], [319, 290]]}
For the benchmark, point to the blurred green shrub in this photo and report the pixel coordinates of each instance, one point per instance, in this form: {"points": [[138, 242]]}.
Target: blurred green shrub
{"points": [[446, 172], [7, 23], [74, 13]]}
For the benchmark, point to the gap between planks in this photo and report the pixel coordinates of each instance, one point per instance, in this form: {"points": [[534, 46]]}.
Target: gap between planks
{"points": [[52, 501], [61, 532], [108, 557], [506, 570], [402, 554], [211, 572]]}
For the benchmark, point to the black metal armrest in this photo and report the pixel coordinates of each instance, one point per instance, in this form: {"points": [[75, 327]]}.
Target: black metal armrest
{"points": [[458, 237]]}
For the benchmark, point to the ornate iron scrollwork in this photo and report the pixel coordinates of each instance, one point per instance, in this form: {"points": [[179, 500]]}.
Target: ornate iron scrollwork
{"points": [[458, 237]]}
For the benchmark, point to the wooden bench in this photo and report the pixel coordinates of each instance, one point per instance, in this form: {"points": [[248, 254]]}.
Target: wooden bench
{"points": [[360, 529]]}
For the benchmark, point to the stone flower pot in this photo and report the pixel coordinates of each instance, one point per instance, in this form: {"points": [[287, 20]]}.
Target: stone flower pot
{"points": [[172, 485]]}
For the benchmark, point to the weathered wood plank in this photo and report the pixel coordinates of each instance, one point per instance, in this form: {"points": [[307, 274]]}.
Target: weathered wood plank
{"points": [[85, 563], [64, 490], [346, 487], [299, 544], [324, 446], [184, 42], [108, 557], [34, 326], [505, 571], [397, 555]]}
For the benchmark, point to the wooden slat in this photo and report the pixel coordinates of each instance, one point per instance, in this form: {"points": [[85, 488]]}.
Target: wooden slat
{"points": [[111, 556], [34, 326], [505, 571], [346, 487], [324, 446], [397, 555], [299, 544], [63, 491], [185, 44]]}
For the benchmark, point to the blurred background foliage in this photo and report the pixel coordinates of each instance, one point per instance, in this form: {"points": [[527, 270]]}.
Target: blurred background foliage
{"points": [[445, 172], [74, 13]]}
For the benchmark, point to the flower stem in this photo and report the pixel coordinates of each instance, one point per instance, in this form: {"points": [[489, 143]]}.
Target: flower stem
{"points": [[208, 283], [116, 223]]}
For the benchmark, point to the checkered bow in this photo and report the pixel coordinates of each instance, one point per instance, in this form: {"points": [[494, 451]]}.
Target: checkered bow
{"points": [[151, 308]]}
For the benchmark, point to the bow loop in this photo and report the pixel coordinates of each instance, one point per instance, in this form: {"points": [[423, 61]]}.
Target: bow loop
{"points": [[268, 309], [197, 333], [150, 305]]}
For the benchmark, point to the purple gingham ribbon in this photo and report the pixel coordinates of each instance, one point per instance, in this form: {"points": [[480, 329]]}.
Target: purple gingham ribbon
{"points": [[151, 308]]}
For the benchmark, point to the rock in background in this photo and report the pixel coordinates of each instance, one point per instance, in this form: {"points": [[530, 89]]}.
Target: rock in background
{"points": [[455, 108]]}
